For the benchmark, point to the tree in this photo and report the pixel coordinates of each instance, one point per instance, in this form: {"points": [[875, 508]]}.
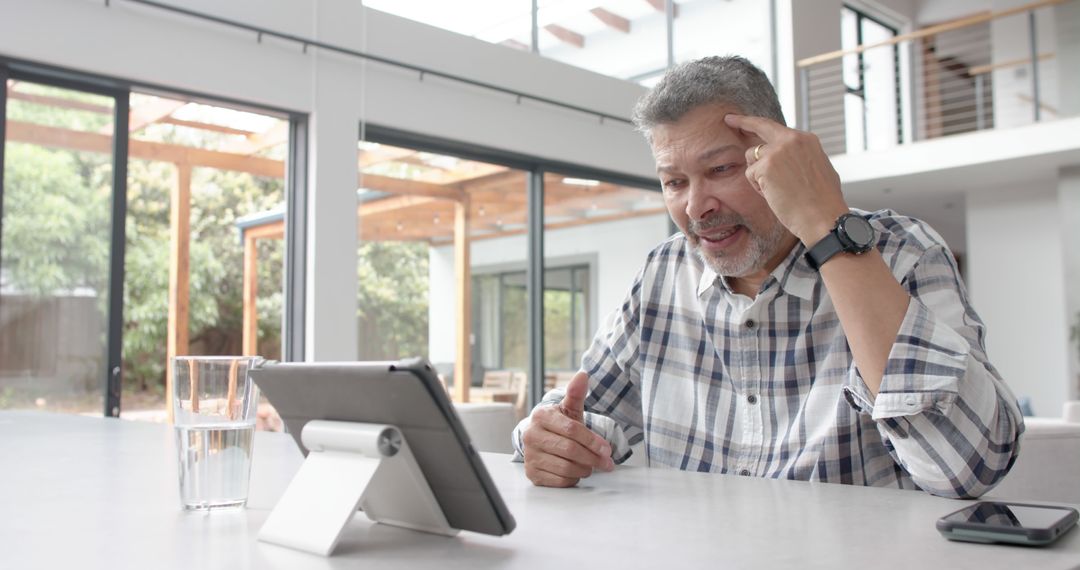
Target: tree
{"points": [[392, 300]]}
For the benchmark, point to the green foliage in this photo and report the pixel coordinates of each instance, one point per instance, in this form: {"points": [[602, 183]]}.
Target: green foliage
{"points": [[393, 299], [56, 224], [56, 242]]}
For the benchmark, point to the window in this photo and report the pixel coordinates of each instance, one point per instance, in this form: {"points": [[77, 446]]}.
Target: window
{"points": [[499, 318], [435, 224], [199, 176], [871, 84], [419, 213], [119, 239]]}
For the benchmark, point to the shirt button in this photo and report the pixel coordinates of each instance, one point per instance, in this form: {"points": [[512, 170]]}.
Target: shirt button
{"points": [[745, 472], [750, 324], [752, 398]]}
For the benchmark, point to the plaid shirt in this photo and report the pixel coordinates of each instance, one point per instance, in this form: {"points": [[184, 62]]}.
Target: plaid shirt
{"points": [[711, 380]]}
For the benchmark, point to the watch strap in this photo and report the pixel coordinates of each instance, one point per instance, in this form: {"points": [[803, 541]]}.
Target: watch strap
{"points": [[823, 250]]}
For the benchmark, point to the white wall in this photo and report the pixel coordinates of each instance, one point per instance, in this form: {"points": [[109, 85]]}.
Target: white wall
{"points": [[1017, 283], [620, 248], [148, 46], [1069, 212]]}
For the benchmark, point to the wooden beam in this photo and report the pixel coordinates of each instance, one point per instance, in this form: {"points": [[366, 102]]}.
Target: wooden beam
{"points": [[250, 342], [512, 43], [19, 131], [151, 112], [60, 102], [660, 6], [463, 313], [392, 204], [410, 187], [179, 267], [566, 224], [565, 35], [612, 19], [255, 142], [268, 230], [366, 157], [205, 126]]}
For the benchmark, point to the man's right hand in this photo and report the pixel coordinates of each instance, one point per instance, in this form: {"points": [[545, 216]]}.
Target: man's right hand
{"points": [[559, 449]]}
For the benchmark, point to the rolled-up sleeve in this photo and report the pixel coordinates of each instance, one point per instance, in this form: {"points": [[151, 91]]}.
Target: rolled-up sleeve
{"points": [[944, 413]]}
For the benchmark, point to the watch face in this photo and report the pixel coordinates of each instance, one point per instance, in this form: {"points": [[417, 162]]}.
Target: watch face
{"points": [[858, 230]]}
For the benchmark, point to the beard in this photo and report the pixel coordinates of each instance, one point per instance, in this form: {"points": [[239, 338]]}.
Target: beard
{"points": [[763, 244]]}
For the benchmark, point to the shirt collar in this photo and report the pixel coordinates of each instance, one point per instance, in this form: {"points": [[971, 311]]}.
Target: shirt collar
{"points": [[794, 274]]}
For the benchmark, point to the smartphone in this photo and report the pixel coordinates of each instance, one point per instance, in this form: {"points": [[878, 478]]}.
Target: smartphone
{"points": [[1016, 523]]}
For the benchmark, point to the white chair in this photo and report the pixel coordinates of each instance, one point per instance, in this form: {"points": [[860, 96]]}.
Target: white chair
{"points": [[489, 425], [1048, 468]]}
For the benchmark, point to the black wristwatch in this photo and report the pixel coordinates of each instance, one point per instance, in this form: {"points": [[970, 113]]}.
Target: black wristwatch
{"points": [[852, 234]]}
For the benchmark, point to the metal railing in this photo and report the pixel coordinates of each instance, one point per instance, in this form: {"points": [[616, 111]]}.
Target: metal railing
{"points": [[979, 72]]}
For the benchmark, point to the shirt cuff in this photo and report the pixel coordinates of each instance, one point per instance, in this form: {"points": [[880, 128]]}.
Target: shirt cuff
{"points": [[923, 371], [603, 426]]}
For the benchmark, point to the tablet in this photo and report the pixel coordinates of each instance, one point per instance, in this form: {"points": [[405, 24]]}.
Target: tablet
{"points": [[405, 394]]}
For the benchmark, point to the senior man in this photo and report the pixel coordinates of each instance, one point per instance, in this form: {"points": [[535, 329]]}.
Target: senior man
{"points": [[780, 334]]}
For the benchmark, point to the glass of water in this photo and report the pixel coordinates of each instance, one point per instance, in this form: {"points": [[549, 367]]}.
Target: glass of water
{"points": [[214, 410]]}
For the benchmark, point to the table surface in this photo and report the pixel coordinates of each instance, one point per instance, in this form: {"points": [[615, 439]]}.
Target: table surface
{"points": [[79, 492]]}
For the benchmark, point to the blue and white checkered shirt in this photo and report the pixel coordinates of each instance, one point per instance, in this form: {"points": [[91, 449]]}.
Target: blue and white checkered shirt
{"points": [[711, 380]]}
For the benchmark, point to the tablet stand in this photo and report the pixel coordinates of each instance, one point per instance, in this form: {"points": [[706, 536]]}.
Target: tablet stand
{"points": [[349, 466]]}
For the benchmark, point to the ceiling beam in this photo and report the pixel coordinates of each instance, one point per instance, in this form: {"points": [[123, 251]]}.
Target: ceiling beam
{"points": [[660, 6], [565, 35], [612, 19], [512, 43]]}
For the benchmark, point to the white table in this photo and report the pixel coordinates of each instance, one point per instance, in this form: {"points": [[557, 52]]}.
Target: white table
{"points": [[94, 493]]}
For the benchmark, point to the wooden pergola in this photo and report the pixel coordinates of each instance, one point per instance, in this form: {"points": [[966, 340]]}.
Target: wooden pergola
{"points": [[436, 204]]}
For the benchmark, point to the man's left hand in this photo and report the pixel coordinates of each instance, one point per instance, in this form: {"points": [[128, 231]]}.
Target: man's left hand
{"points": [[794, 174]]}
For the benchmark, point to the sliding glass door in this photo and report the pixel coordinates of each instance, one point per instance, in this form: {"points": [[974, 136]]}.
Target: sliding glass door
{"points": [[56, 246]]}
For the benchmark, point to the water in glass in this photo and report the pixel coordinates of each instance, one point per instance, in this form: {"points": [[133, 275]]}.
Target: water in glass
{"points": [[215, 465]]}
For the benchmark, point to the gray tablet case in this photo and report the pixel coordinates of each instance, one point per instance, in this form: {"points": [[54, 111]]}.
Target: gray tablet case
{"points": [[406, 394]]}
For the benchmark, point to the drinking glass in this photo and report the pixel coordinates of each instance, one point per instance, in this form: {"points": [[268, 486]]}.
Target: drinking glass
{"points": [[214, 409]]}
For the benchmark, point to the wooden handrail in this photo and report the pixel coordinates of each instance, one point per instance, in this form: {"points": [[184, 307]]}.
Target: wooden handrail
{"points": [[932, 30], [981, 69]]}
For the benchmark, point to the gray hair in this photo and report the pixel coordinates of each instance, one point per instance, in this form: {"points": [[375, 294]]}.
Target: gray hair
{"points": [[731, 80]]}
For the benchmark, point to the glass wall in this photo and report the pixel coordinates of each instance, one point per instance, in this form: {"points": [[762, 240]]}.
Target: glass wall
{"points": [[199, 256], [205, 191], [411, 278], [54, 265], [419, 214]]}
